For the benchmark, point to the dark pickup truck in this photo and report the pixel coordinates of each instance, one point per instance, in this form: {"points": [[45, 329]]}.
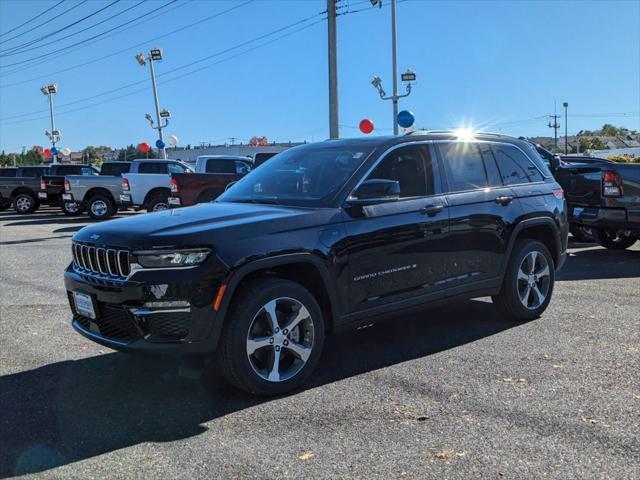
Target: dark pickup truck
{"points": [[213, 174], [52, 185], [20, 187]]}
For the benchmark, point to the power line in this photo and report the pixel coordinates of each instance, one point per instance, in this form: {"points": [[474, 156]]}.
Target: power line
{"points": [[141, 17], [31, 19], [33, 29], [49, 35]]}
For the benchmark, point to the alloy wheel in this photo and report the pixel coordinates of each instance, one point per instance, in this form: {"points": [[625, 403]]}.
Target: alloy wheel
{"points": [[72, 207], [24, 204], [160, 206], [280, 339], [534, 280], [99, 208]]}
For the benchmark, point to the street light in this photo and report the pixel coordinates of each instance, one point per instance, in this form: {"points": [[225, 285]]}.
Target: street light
{"points": [[407, 77], [155, 55], [53, 135], [566, 145]]}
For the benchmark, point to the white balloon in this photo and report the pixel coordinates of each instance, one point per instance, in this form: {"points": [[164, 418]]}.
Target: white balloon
{"points": [[173, 140], [66, 152]]}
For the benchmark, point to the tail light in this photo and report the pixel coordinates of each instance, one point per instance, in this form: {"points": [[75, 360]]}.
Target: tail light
{"points": [[558, 193], [173, 185], [67, 185], [43, 184], [125, 185], [611, 184]]}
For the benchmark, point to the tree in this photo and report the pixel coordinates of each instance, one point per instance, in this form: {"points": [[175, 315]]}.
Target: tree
{"points": [[259, 141]]}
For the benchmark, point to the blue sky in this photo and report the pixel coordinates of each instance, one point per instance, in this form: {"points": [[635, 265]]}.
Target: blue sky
{"points": [[498, 65]]}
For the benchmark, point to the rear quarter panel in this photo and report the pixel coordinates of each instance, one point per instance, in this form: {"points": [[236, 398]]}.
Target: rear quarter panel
{"points": [[142, 183], [81, 184]]}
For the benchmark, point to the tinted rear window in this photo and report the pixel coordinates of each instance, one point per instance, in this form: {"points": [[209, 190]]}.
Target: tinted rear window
{"points": [[152, 168], [260, 158], [7, 172], [34, 171], [69, 170], [218, 165], [114, 169], [515, 167], [464, 166]]}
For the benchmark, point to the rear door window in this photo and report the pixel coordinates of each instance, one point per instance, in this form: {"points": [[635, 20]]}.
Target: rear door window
{"points": [[114, 169], [34, 171], [8, 172], [152, 167], [175, 168], [515, 167], [220, 165], [87, 171], [464, 166]]}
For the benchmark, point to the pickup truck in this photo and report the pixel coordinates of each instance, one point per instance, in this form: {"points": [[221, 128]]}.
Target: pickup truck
{"points": [[52, 185], [20, 187], [147, 187], [98, 194], [213, 174]]}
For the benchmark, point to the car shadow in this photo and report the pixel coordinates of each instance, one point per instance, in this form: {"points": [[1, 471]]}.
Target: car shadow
{"points": [[68, 411], [33, 240], [600, 263]]}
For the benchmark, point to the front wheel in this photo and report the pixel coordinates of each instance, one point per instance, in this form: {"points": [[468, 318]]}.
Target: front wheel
{"points": [[611, 239], [100, 207], [272, 338], [71, 209], [528, 282], [25, 203]]}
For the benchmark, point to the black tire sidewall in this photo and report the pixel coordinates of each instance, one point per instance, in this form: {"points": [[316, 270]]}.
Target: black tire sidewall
{"points": [[602, 238], [237, 368], [111, 208], [155, 200]]}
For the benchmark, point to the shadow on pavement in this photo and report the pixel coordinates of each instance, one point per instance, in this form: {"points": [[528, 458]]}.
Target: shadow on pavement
{"points": [[72, 410], [600, 263], [32, 240]]}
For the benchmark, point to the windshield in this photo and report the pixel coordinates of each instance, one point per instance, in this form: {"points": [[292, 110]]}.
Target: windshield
{"points": [[308, 175]]}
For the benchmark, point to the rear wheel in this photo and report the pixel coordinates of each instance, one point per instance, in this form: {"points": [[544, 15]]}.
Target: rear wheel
{"points": [[25, 203], [100, 207], [581, 233], [157, 203], [611, 239], [528, 282], [272, 338], [71, 209]]}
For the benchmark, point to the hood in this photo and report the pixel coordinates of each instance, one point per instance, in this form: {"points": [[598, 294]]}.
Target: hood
{"points": [[203, 224]]}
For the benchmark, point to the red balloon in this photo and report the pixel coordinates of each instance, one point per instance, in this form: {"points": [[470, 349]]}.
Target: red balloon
{"points": [[47, 152], [144, 147], [366, 126]]}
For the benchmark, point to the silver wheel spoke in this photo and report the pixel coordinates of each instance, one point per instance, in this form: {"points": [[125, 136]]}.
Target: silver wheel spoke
{"points": [[522, 276], [525, 296], [301, 314], [254, 344], [543, 272], [270, 309], [300, 351], [534, 258], [539, 298], [274, 374]]}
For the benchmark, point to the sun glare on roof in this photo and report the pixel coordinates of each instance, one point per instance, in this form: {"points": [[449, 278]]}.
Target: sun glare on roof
{"points": [[464, 134]]}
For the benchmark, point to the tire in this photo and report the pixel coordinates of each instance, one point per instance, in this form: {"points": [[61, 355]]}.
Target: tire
{"points": [[517, 299], [581, 233], [158, 203], [71, 209], [100, 207], [208, 196], [4, 205], [611, 240], [248, 320], [25, 203]]}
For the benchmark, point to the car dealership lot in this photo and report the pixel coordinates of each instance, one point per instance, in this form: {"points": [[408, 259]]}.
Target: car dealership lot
{"points": [[450, 392]]}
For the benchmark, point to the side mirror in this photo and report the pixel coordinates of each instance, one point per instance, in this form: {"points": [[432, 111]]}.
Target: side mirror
{"points": [[555, 162], [374, 191]]}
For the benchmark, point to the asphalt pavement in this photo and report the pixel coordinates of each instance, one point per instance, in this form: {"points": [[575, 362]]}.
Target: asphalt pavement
{"points": [[454, 392]]}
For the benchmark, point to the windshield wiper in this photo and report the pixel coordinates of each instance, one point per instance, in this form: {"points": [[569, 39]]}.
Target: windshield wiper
{"points": [[268, 201]]}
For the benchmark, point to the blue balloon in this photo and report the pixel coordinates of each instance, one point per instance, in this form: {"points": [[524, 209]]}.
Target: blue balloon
{"points": [[159, 144], [405, 119], [54, 151]]}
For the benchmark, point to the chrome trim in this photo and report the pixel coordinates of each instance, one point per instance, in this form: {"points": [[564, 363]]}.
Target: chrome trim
{"points": [[108, 262], [79, 327], [149, 311]]}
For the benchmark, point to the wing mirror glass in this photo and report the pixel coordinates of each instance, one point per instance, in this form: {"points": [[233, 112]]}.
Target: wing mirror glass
{"points": [[375, 191], [555, 162]]}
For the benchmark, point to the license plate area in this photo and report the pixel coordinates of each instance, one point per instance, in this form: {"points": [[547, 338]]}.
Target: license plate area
{"points": [[84, 305], [125, 198], [68, 197], [174, 201], [42, 195]]}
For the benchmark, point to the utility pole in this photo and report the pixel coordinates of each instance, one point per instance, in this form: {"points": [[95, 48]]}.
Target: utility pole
{"points": [[566, 116], [155, 55], [555, 125], [53, 135], [334, 131]]}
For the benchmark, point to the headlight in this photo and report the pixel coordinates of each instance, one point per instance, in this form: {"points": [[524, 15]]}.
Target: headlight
{"points": [[172, 258]]}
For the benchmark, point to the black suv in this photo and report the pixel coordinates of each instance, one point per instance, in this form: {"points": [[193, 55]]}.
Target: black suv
{"points": [[321, 238]]}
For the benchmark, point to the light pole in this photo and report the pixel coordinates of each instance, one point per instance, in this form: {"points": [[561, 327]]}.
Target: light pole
{"points": [[155, 55], [53, 135], [566, 116], [408, 76], [334, 131]]}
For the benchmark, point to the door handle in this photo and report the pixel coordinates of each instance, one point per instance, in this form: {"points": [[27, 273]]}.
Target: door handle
{"points": [[504, 200], [432, 210]]}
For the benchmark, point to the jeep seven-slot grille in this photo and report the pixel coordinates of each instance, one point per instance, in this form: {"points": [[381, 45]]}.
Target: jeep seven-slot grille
{"points": [[102, 261]]}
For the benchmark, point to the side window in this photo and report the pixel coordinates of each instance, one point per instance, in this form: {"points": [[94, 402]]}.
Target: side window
{"points": [[218, 165], [464, 166], [152, 168], [175, 168], [411, 168], [515, 167], [493, 174], [88, 171]]}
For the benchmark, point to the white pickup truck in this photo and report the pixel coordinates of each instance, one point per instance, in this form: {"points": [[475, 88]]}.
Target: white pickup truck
{"points": [[149, 187]]}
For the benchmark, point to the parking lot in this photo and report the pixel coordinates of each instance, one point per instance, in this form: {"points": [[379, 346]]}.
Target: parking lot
{"points": [[450, 392]]}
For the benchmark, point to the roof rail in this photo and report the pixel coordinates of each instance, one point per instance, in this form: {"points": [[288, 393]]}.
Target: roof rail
{"points": [[453, 132]]}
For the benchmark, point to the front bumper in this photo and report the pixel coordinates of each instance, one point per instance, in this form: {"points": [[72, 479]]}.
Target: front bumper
{"points": [[610, 218], [152, 311]]}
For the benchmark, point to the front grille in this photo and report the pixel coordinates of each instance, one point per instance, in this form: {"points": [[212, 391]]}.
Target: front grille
{"points": [[170, 324], [113, 322], [101, 261]]}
